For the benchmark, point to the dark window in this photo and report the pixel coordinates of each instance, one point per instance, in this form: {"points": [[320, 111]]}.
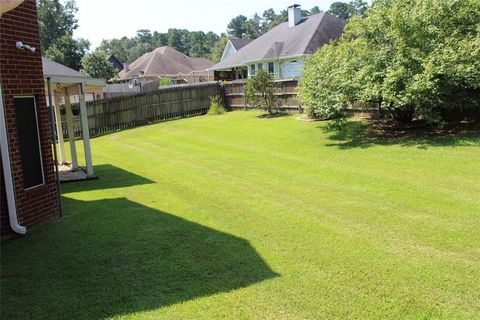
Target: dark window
{"points": [[252, 69], [271, 68], [29, 142]]}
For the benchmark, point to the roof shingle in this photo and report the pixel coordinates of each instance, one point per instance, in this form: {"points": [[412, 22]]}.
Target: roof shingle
{"points": [[283, 41], [164, 61]]}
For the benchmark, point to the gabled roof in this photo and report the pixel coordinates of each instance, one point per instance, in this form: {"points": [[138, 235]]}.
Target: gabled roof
{"points": [[240, 43], [61, 74], [283, 41], [52, 68], [164, 61]]}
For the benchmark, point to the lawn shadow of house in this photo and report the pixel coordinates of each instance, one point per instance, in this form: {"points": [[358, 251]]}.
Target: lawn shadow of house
{"points": [[115, 257], [109, 177], [366, 134]]}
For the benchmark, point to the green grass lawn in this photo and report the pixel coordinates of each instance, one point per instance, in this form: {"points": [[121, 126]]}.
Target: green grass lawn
{"points": [[243, 218]]}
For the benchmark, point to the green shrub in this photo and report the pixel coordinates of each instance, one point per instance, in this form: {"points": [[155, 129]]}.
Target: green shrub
{"points": [[165, 82], [216, 106], [259, 91], [413, 58]]}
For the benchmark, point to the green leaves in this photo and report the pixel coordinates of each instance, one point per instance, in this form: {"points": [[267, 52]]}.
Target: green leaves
{"points": [[57, 22], [259, 91], [416, 57], [96, 65]]}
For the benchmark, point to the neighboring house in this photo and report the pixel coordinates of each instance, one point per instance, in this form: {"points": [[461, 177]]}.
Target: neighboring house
{"points": [[233, 45], [28, 190], [115, 62], [112, 90], [282, 50], [166, 62]]}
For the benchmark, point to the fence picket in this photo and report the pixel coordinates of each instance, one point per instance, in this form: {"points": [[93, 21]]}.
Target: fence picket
{"points": [[108, 115]]}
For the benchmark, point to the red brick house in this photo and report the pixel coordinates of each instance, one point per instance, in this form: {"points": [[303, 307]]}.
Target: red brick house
{"points": [[28, 190]]}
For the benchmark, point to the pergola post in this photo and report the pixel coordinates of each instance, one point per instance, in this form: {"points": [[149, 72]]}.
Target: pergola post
{"points": [[71, 132], [58, 121], [85, 132]]}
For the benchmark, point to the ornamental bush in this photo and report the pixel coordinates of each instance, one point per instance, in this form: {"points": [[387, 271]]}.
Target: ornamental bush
{"points": [[260, 91], [413, 58], [216, 106]]}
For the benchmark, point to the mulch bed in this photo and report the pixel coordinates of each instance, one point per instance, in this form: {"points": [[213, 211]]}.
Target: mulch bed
{"points": [[419, 129], [67, 174]]}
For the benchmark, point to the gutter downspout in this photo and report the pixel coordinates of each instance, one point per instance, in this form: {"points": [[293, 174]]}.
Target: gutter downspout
{"points": [[54, 141], [12, 208]]}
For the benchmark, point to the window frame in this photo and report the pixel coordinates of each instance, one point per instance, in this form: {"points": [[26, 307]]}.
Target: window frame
{"points": [[271, 63], [38, 141]]}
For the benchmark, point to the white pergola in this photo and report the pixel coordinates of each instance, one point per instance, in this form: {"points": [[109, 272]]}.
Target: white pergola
{"points": [[61, 83]]}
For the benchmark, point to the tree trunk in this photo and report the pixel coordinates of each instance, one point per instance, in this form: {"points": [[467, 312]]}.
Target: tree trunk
{"points": [[403, 115]]}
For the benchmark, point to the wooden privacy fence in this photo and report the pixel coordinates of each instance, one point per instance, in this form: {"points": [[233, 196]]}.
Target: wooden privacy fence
{"points": [[113, 114], [234, 95], [286, 98]]}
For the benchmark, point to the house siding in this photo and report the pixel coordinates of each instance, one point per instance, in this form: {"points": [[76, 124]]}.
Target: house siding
{"points": [[291, 68], [229, 50], [21, 74]]}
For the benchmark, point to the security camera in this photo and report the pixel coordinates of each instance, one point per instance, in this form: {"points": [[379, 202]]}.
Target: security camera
{"points": [[21, 46]]}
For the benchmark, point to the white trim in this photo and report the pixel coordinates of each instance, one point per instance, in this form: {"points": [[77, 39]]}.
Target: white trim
{"points": [[247, 63], [71, 132], [9, 190], [58, 123], [38, 139], [75, 80], [85, 132]]}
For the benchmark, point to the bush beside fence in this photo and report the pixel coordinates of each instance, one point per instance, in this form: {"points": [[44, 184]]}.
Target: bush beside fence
{"points": [[109, 115]]}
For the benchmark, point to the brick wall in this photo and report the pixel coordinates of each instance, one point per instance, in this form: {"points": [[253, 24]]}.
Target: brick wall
{"points": [[21, 74]]}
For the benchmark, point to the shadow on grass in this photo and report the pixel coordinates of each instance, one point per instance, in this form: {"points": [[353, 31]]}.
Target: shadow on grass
{"points": [[365, 134], [109, 177], [273, 115], [115, 257]]}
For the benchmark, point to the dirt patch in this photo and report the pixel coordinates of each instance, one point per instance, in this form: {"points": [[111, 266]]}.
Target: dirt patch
{"points": [[272, 115], [419, 129]]}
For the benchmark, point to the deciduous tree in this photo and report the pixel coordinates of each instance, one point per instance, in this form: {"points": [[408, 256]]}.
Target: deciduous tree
{"points": [[96, 65], [411, 65], [260, 91]]}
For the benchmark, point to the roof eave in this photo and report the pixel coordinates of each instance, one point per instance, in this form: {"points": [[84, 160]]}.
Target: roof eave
{"points": [[93, 82], [246, 63]]}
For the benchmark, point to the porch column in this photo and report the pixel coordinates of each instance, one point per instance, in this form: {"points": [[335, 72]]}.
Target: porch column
{"points": [[58, 122], [85, 133], [71, 132]]}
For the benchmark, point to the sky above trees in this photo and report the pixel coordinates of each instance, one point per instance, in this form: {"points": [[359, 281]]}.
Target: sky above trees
{"points": [[107, 19]]}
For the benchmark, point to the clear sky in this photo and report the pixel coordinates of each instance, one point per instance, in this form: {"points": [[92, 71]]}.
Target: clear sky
{"points": [[107, 19]]}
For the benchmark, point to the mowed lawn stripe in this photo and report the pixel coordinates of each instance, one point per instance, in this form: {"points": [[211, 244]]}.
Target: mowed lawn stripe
{"points": [[386, 230]]}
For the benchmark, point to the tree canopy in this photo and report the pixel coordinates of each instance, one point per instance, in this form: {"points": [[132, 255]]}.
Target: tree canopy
{"points": [[96, 65], [57, 22], [413, 58], [260, 91], [256, 25], [346, 10]]}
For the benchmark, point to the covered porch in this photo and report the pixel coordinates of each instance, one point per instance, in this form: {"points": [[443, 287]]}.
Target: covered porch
{"points": [[61, 84]]}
